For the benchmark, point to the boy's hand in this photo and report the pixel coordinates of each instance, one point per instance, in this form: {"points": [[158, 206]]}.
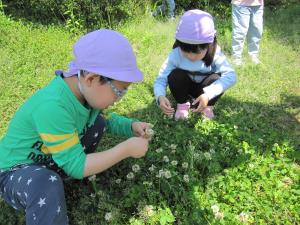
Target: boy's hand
{"points": [[166, 106], [136, 146], [140, 128], [203, 101]]}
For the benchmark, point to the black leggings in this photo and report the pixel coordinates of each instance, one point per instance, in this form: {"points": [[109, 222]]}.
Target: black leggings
{"points": [[182, 86]]}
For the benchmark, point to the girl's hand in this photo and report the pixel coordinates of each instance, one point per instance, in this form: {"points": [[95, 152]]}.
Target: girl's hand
{"points": [[136, 147], [139, 128], [203, 101], [166, 106]]}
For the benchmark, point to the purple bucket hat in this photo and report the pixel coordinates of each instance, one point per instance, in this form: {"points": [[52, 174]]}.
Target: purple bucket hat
{"points": [[105, 52], [196, 27]]}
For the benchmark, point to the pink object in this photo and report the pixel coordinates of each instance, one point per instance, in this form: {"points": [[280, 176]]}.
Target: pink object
{"points": [[208, 112], [182, 111]]}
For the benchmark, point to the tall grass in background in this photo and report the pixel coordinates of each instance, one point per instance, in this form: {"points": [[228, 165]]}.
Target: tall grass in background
{"points": [[241, 168]]}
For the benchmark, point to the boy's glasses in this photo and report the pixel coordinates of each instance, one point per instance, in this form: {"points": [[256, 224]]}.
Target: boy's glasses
{"points": [[118, 92]]}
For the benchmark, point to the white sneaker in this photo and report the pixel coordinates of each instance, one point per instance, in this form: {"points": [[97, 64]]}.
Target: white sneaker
{"points": [[254, 59]]}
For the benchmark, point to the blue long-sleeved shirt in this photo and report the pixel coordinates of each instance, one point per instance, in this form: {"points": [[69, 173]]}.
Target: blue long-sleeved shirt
{"points": [[177, 60]]}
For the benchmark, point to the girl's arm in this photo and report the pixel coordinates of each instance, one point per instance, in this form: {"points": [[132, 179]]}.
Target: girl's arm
{"points": [[228, 75], [161, 82]]}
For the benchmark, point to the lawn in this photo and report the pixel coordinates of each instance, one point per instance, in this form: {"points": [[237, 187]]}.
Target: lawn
{"points": [[240, 168]]}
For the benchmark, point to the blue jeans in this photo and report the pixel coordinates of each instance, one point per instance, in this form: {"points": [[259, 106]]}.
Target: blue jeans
{"points": [[246, 21], [38, 189], [167, 5]]}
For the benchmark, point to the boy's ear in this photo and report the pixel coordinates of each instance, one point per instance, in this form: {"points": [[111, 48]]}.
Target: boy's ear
{"points": [[89, 78]]}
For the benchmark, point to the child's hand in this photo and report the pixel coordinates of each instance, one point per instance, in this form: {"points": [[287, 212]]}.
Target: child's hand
{"points": [[166, 106], [136, 146], [140, 129], [203, 101]]}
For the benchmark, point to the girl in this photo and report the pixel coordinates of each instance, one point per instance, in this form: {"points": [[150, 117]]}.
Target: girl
{"points": [[54, 133], [196, 70]]}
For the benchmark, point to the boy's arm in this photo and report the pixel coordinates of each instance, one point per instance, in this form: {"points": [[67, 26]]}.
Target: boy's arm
{"points": [[119, 125], [97, 162]]}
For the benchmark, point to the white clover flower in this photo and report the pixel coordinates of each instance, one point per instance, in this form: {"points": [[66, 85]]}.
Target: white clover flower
{"points": [[92, 178], [173, 146], [149, 132], [159, 150], [168, 174], [108, 216], [185, 165], [212, 151], [118, 181], [173, 151], [149, 210], [136, 168], [251, 165], [160, 174], [186, 178], [166, 159], [215, 208], [174, 163], [207, 155], [130, 175], [243, 217], [147, 183], [196, 155], [260, 140], [235, 127], [219, 215], [93, 195], [152, 168]]}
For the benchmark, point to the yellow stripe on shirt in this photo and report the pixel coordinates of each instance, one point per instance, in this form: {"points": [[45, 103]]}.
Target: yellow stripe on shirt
{"points": [[62, 146], [55, 137]]}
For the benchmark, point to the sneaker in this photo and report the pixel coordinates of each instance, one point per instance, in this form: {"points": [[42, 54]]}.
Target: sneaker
{"points": [[182, 111], [237, 61], [208, 112], [254, 59]]}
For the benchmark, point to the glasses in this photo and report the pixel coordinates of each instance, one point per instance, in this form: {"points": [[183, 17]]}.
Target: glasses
{"points": [[118, 92]]}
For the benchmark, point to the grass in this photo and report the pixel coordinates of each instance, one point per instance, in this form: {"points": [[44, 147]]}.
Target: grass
{"points": [[243, 166]]}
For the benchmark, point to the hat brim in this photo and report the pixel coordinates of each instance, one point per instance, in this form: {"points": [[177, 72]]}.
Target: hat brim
{"points": [[125, 76]]}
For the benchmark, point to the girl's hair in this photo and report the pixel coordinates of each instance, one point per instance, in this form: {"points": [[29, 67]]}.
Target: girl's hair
{"points": [[197, 48]]}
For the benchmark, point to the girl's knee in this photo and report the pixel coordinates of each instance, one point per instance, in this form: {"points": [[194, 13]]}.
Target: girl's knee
{"points": [[178, 75]]}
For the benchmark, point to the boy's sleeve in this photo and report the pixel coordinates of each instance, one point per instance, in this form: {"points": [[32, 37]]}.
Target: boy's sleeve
{"points": [[228, 76], [57, 130], [119, 125], [161, 82]]}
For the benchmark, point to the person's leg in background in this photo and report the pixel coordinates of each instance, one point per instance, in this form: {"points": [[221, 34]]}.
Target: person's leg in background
{"points": [[160, 9], [171, 8], [240, 25], [37, 190], [255, 32]]}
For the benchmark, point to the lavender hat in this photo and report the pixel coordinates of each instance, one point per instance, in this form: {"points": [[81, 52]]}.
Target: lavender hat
{"points": [[196, 27], [105, 52]]}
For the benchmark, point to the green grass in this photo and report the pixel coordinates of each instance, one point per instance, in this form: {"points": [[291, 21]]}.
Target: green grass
{"points": [[246, 160]]}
